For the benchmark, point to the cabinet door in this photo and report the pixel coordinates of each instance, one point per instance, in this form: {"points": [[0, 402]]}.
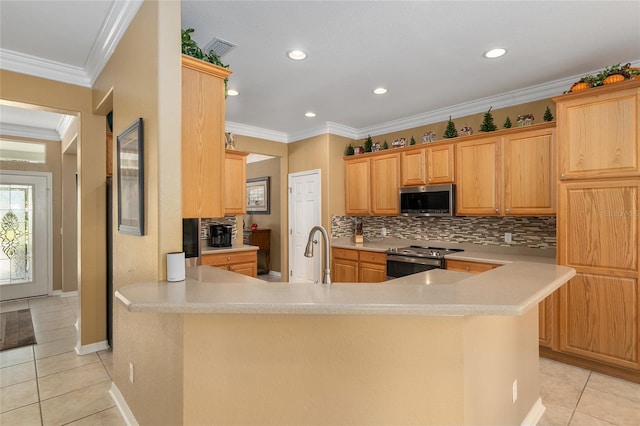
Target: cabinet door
{"points": [[385, 183], [599, 319], [235, 171], [414, 167], [357, 177], [250, 269], [344, 271], [599, 132], [477, 174], [528, 173], [441, 164], [372, 272], [202, 138]]}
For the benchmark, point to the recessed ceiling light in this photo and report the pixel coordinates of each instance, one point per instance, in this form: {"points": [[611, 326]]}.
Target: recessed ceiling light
{"points": [[310, 114], [296, 55], [232, 92], [494, 53], [379, 90]]}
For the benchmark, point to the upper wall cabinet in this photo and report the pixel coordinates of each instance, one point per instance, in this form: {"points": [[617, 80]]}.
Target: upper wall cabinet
{"points": [[371, 185], [600, 133], [509, 173], [428, 165], [235, 171], [203, 115]]}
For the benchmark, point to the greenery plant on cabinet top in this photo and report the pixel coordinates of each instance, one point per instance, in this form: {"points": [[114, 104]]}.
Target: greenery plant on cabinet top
{"points": [[190, 48]]}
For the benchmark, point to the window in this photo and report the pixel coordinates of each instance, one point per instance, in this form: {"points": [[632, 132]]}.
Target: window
{"points": [[27, 152]]}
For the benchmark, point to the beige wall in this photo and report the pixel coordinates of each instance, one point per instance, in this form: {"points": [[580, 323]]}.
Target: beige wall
{"points": [[359, 369], [271, 221], [53, 165], [277, 149], [24, 90], [143, 77]]}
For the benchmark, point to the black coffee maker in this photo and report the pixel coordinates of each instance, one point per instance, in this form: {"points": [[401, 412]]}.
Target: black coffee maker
{"points": [[220, 235]]}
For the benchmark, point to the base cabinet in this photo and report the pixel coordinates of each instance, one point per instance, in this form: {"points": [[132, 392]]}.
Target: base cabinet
{"points": [[245, 263], [358, 266]]}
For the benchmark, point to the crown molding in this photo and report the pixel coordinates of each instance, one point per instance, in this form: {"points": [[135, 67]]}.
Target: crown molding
{"points": [[255, 132], [7, 129], [328, 127], [64, 124], [38, 67], [114, 27]]}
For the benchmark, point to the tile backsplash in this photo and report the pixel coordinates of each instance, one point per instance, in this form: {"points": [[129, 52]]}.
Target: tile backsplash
{"points": [[531, 232], [227, 220]]}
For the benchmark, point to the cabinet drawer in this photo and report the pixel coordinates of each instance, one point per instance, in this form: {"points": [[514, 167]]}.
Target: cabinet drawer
{"points": [[473, 267], [373, 257], [228, 258], [340, 253]]}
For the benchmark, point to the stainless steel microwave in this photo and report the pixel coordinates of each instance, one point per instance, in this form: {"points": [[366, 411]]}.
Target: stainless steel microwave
{"points": [[431, 200]]}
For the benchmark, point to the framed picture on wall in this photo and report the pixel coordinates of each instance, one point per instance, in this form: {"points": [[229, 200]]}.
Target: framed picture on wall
{"points": [[130, 161], [258, 195]]}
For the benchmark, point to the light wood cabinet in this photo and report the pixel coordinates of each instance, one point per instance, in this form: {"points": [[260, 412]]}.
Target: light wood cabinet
{"points": [[357, 175], [598, 234], [110, 154], [478, 173], [600, 132], [507, 174], [468, 266], [428, 165], [371, 185], [243, 262], [203, 115], [235, 172], [358, 266], [528, 173]]}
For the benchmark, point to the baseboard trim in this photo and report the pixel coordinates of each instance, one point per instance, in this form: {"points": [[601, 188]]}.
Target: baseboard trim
{"points": [[69, 293], [122, 405], [535, 414], [275, 274], [91, 348]]}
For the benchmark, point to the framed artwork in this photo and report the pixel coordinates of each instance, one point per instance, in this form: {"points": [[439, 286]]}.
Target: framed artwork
{"points": [[130, 161], [258, 195]]}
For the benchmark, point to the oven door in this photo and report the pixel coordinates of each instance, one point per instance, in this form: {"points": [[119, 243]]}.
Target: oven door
{"points": [[401, 266]]}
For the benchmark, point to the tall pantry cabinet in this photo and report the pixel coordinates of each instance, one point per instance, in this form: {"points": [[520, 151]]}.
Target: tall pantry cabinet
{"points": [[598, 229], [203, 155]]}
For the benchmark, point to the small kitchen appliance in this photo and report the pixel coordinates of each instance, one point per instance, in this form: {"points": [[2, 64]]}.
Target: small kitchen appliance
{"points": [[220, 235], [405, 261]]}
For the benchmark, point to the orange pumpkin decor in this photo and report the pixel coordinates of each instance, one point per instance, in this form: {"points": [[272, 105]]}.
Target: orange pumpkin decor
{"points": [[580, 85], [614, 78]]}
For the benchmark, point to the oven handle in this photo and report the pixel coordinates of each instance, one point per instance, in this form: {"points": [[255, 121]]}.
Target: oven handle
{"points": [[420, 261]]}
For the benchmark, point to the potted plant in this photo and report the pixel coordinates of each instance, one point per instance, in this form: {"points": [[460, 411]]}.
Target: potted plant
{"points": [[190, 48]]}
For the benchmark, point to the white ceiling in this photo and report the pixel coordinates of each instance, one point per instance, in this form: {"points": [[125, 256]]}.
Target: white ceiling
{"points": [[427, 53]]}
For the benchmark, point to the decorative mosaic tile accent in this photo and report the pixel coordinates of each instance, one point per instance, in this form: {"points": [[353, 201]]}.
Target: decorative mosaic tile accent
{"points": [[532, 232]]}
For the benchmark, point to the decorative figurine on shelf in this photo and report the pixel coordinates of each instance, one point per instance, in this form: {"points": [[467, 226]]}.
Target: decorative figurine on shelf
{"points": [[375, 147], [487, 124], [385, 145], [547, 115], [507, 123], [358, 150], [450, 131], [399, 143], [466, 131], [412, 141], [428, 136], [525, 120], [349, 150], [230, 141]]}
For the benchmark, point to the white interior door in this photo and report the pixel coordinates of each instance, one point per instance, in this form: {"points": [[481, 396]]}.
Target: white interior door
{"points": [[304, 214], [25, 235]]}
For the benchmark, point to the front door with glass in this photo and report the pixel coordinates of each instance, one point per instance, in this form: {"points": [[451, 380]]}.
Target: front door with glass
{"points": [[25, 212]]}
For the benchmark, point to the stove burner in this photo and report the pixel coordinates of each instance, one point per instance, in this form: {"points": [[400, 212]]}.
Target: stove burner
{"points": [[424, 252]]}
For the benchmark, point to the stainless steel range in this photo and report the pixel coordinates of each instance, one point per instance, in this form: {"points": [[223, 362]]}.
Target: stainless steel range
{"points": [[405, 261]]}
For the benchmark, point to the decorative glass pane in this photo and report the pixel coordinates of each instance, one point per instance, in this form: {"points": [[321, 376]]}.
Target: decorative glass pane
{"points": [[16, 227]]}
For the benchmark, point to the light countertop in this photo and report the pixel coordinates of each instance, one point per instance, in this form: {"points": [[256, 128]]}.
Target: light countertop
{"points": [[499, 255], [510, 290], [233, 249]]}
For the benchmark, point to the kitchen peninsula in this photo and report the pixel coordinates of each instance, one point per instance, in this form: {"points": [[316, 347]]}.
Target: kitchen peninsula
{"points": [[438, 347]]}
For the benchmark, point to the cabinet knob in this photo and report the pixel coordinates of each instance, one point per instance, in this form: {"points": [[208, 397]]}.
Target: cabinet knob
{"points": [[429, 179], [497, 210], [228, 257], [466, 268], [506, 210], [563, 175]]}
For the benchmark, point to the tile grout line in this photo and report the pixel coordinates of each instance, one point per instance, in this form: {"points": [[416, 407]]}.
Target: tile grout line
{"points": [[573, 412], [35, 367]]}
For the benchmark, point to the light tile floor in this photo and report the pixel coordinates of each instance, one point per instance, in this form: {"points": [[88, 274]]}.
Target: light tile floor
{"points": [[49, 384]]}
